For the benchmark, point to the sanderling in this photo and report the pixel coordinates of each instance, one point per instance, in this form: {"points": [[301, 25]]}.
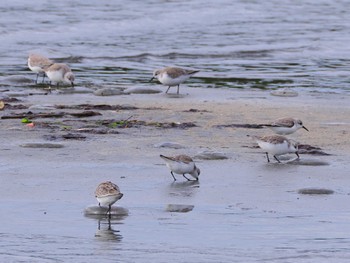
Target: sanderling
{"points": [[181, 164], [59, 72], [277, 145], [38, 64], [171, 76], [286, 126], [107, 194]]}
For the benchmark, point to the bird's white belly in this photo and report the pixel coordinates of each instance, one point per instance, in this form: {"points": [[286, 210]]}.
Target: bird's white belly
{"points": [[275, 149], [35, 69], [55, 76], [108, 200], [165, 79], [181, 168]]}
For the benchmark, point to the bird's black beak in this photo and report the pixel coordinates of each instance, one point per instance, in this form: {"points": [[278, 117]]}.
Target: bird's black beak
{"points": [[305, 128], [151, 79]]}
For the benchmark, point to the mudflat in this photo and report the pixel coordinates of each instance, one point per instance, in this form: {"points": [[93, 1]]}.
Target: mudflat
{"points": [[50, 169]]}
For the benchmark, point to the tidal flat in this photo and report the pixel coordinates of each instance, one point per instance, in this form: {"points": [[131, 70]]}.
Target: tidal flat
{"points": [[242, 209]]}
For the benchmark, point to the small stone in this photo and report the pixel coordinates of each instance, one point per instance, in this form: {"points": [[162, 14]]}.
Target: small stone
{"points": [[108, 92], [284, 93], [179, 208], [171, 145], [95, 210], [210, 155]]}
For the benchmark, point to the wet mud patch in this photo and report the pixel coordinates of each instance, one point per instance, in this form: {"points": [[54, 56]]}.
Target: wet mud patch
{"points": [[97, 107], [75, 126], [240, 125], [42, 145], [195, 110], [68, 136], [315, 191], [44, 115], [138, 123]]}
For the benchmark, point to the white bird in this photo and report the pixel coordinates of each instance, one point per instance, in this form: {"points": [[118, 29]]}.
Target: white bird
{"points": [[181, 164], [107, 193], [60, 73], [277, 145], [38, 64], [172, 76], [285, 126]]}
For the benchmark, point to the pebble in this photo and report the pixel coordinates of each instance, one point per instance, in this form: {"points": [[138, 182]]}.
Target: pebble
{"points": [[211, 155], [96, 210], [108, 92], [179, 208], [171, 145], [284, 93]]}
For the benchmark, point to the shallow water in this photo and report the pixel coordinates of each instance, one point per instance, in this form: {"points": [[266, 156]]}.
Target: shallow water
{"points": [[240, 44], [245, 216]]}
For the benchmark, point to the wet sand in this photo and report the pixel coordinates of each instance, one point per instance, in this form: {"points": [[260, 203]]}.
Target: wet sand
{"points": [[244, 209]]}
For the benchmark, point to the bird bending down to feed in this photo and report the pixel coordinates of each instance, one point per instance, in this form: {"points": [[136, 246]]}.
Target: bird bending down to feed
{"points": [[182, 164], [60, 73], [107, 193], [277, 145]]}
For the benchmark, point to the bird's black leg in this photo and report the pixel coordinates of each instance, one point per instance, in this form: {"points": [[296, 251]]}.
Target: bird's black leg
{"points": [[186, 177], [109, 210], [276, 158], [167, 89], [297, 155], [178, 87], [37, 76], [99, 204], [43, 78], [173, 175], [267, 156]]}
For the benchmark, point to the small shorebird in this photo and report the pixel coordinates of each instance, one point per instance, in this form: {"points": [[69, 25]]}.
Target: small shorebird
{"points": [[172, 76], [38, 64], [277, 145], [107, 193], [59, 72], [285, 126], [181, 164]]}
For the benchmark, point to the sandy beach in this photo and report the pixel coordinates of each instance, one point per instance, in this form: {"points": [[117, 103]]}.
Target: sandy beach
{"points": [[249, 209]]}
